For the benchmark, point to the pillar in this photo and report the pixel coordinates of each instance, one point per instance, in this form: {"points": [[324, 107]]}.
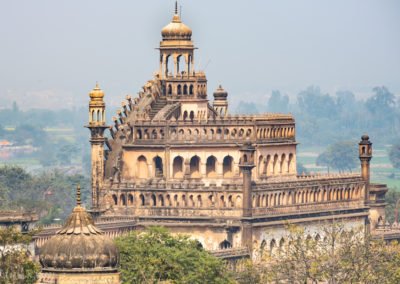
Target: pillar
{"points": [[365, 155]]}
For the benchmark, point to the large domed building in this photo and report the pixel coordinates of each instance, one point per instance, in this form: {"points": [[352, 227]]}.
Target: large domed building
{"points": [[172, 156], [79, 253]]}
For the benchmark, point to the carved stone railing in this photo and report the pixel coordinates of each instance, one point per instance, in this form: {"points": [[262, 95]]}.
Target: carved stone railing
{"points": [[311, 207], [231, 253]]}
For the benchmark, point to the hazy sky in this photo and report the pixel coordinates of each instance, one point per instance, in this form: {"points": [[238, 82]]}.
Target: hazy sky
{"points": [[51, 49]]}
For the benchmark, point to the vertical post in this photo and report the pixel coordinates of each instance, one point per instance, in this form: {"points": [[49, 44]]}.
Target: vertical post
{"points": [[247, 165], [365, 155], [97, 127]]}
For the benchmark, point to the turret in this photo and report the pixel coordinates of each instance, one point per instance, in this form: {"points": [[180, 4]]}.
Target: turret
{"points": [[365, 155], [97, 125], [220, 103], [246, 165]]}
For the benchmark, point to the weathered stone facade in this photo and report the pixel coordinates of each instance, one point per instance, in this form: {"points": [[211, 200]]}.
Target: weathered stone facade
{"points": [[176, 159]]}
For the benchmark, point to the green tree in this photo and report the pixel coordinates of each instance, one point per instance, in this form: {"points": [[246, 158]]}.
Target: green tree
{"points": [[16, 264], [278, 102], [156, 255], [340, 156]]}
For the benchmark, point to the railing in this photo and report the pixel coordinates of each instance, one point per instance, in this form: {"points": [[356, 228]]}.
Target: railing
{"points": [[231, 253]]}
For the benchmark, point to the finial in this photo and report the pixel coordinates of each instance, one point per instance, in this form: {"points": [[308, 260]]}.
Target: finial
{"points": [[176, 7], [78, 195]]}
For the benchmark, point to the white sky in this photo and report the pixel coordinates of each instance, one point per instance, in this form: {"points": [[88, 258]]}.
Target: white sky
{"points": [[58, 49]]}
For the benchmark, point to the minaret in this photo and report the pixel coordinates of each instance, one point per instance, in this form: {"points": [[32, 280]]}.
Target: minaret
{"points": [[220, 103], [247, 165], [365, 155], [97, 125]]}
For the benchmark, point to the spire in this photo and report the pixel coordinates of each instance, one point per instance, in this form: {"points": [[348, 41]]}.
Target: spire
{"points": [[78, 195], [176, 7]]}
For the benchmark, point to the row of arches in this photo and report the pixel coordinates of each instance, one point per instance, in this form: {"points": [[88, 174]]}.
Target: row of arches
{"points": [[306, 196], [276, 132], [97, 115], [180, 89], [276, 164], [178, 200]]}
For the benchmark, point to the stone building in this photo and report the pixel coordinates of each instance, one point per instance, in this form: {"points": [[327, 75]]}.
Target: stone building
{"points": [[176, 158], [79, 253]]}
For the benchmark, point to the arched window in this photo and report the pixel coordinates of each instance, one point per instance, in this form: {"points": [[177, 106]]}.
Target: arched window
{"points": [[130, 199], [210, 167], [178, 167], [225, 245], [185, 115], [142, 169], [185, 90], [154, 134], [191, 116], [123, 199], [153, 200], [139, 134], [227, 167], [142, 201], [115, 199], [160, 200], [195, 167], [276, 164], [260, 165], [179, 90], [191, 90], [158, 166], [169, 89]]}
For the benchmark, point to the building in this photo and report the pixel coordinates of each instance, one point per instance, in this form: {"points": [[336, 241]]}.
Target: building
{"points": [[175, 158], [79, 253]]}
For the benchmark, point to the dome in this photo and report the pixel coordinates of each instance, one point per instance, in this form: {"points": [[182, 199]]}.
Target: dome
{"points": [[79, 245], [176, 30], [96, 93], [220, 93]]}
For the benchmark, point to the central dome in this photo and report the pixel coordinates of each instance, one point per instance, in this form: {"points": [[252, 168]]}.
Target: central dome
{"points": [[176, 30], [79, 245]]}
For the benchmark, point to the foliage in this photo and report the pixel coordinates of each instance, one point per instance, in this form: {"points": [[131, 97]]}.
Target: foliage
{"points": [[278, 102], [16, 265], [156, 255], [340, 255], [51, 194], [301, 169], [340, 156], [394, 155], [391, 198]]}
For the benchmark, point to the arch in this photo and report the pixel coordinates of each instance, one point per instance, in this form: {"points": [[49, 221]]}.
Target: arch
{"points": [[139, 134], [290, 163], [153, 200], [241, 132], [211, 167], [191, 116], [199, 201], [191, 90], [122, 199], [283, 164], [115, 199], [177, 167], [99, 116], [211, 201], [179, 90], [272, 247], [225, 245], [222, 202], [176, 202], [195, 167], [161, 200], [154, 134], [227, 167], [142, 168], [130, 199], [260, 165], [185, 115], [142, 200], [275, 164], [185, 89], [238, 201], [158, 166], [169, 89], [168, 200]]}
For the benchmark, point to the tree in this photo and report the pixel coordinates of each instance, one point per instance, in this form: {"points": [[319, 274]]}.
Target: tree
{"points": [[340, 156], [156, 255], [16, 264], [338, 255], [394, 155], [278, 102]]}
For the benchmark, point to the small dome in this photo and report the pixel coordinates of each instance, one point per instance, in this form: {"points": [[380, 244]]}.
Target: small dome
{"points": [[176, 30], [365, 137], [79, 245], [96, 93], [220, 93]]}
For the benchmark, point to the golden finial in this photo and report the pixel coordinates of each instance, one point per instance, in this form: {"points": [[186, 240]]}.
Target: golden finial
{"points": [[78, 195]]}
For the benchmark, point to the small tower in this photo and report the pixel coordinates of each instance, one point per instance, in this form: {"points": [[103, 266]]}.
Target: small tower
{"points": [[97, 125], [365, 155], [220, 103], [247, 165]]}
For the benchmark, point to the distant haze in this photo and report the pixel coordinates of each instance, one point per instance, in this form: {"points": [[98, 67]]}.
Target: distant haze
{"points": [[53, 52]]}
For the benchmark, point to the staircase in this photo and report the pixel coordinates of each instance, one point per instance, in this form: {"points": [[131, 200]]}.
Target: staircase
{"points": [[157, 106]]}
